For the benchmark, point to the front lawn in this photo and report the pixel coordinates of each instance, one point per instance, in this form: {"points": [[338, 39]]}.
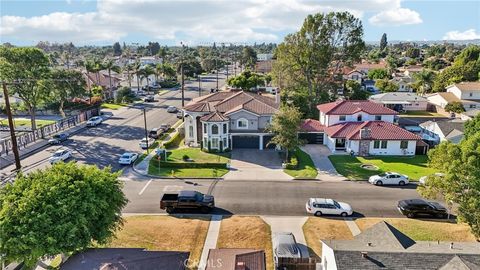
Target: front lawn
{"points": [[185, 172], [113, 106], [164, 233], [317, 228], [415, 167], [421, 114], [246, 232], [306, 168], [197, 156], [26, 122], [424, 230]]}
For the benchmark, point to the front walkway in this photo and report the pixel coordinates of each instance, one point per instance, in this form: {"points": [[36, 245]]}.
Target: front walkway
{"points": [[254, 164], [326, 170]]}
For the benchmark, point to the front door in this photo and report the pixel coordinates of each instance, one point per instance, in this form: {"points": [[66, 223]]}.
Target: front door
{"points": [[340, 144]]}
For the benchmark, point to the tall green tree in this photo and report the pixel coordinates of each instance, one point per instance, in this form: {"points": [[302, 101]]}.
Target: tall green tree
{"points": [[248, 58], [62, 209], [383, 42], [472, 126], [285, 126], [378, 73], [354, 91], [110, 66], [312, 58], [461, 183], [455, 107], [29, 67], [385, 85], [423, 81], [247, 80], [65, 85], [117, 49]]}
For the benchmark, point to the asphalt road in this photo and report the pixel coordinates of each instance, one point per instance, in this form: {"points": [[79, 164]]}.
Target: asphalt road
{"points": [[102, 145], [285, 198]]}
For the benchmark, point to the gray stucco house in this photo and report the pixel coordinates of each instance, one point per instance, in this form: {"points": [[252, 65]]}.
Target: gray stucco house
{"points": [[228, 120]]}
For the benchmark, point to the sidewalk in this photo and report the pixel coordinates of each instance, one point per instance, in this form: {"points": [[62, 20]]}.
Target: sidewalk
{"points": [[211, 239]]}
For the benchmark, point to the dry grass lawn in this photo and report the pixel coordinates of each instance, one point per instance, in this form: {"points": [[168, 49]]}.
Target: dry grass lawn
{"points": [[165, 233], [424, 230], [317, 228], [246, 232]]}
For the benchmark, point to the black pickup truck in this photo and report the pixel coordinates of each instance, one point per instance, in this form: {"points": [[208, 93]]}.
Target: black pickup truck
{"points": [[187, 199]]}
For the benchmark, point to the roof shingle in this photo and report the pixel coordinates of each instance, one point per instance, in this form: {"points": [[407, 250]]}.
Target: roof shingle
{"points": [[348, 107], [312, 125], [379, 130]]}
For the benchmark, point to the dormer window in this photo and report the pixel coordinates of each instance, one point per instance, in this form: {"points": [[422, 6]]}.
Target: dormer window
{"points": [[359, 118], [242, 123], [342, 117], [378, 117]]}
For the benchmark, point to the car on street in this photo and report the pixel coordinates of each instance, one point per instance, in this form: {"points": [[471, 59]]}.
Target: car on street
{"points": [[155, 133], [321, 206], [180, 114], [149, 98], [172, 109], [423, 179], [58, 138], [94, 121], [146, 142], [187, 199], [127, 158], [388, 178], [60, 155], [285, 246], [419, 207], [165, 127]]}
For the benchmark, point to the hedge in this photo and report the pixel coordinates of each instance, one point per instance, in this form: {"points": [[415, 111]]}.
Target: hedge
{"points": [[174, 141], [293, 164]]}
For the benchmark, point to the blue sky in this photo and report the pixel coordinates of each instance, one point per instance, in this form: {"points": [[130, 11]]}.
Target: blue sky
{"points": [[239, 21]]}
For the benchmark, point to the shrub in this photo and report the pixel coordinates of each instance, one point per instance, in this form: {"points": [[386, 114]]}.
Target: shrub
{"points": [[185, 157], [293, 164], [169, 84], [174, 141], [125, 94]]}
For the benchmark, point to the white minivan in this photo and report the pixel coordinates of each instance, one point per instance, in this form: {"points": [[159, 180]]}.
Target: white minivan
{"points": [[320, 206]]}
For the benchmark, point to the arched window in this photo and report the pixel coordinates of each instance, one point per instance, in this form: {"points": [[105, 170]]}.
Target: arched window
{"points": [[359, 117], [214, 129]]}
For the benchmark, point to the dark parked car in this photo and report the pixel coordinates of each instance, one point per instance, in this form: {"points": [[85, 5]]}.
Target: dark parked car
{"points": [[187, 199], [418, 207], [149, 98], [58, 138], [155, 133]]}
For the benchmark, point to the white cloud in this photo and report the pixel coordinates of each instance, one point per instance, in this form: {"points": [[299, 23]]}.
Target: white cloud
{"points": [[465, 35], [196, 21], [396, 17]]}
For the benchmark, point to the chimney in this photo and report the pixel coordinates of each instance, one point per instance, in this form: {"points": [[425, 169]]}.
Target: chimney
{"points": [[365, 133], [364, 254], [240, 266]]}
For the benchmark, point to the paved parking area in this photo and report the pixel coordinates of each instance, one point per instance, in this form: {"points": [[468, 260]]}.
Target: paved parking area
{"points": [[253, 164], [319, 154]]}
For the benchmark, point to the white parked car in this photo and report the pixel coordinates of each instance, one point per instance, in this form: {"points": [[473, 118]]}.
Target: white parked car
{"points": [[94, 121], [60, 155], [143, 142], [127, 158], [320, 206], [172, 109], [423, 179], [388, 178]]}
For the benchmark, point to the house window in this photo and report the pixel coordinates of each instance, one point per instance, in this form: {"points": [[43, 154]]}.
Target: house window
{"points": [[214, 129], [342, 117], [224, 142], [224, 128], [403, 144], [359, 117], [470, 94], [190, 131], [378, 117], [384, 145], [376, 144], [205, 128], [214, 142], [472, 106], [242, 123]]}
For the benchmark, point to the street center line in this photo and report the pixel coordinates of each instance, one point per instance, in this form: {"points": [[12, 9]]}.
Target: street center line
{"points": [[145, 187]]}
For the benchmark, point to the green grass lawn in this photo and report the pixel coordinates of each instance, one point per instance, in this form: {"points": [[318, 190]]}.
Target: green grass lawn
{"points": [[415, 167], [113, 106], [26, 122], [186, 172], [197, 156], [421, 114], [306, 167]]}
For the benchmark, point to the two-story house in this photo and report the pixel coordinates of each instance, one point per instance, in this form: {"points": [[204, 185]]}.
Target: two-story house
{"points": [[228, 120], [362, 128], [468, 93]]}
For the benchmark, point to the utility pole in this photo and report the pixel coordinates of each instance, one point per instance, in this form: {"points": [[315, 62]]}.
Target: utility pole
{"points": [[145, 122], [18, 166]]}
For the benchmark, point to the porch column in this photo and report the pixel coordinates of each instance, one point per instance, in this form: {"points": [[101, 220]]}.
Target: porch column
{"points": [[261, 142]]}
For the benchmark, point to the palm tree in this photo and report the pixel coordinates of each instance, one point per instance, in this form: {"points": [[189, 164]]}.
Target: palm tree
{"points": [[424, 81], [110, 65], [138, 72], [129, 68], [147, 71], [158, 71], [89, 67]]}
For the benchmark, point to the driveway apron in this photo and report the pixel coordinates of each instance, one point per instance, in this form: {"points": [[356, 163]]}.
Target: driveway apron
{"points": [[325, 168]]}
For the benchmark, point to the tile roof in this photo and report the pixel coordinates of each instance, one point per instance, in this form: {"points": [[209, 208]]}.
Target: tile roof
{"points": [[103, 79], [348, 107], [469, 86], [379, 130], [312, 125], [214, 117], [381, 64], [252, 259], [199, 107]]}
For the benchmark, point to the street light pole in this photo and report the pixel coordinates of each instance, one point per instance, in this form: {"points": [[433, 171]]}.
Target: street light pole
{"points": [[216, 68], [18, 166], [146, 132]]}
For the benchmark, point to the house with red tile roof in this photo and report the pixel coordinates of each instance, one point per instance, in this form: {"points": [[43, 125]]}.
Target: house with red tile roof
{"points": [[360, 127], [229, 119]]}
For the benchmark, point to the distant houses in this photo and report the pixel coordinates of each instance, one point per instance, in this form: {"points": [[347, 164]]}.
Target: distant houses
{"points": [[400, 101], [467, 93]]}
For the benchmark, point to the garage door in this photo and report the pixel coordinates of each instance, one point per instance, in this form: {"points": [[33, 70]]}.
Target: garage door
{"points": [[312, 138], [266, 140], [245, 142]]}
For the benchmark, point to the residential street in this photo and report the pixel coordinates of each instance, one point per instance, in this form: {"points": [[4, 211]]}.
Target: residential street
{"points": [[285, 198]]}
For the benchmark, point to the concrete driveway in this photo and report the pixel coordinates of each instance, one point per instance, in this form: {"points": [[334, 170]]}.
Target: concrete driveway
{"points": [[319, 154], [253, 164]]}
